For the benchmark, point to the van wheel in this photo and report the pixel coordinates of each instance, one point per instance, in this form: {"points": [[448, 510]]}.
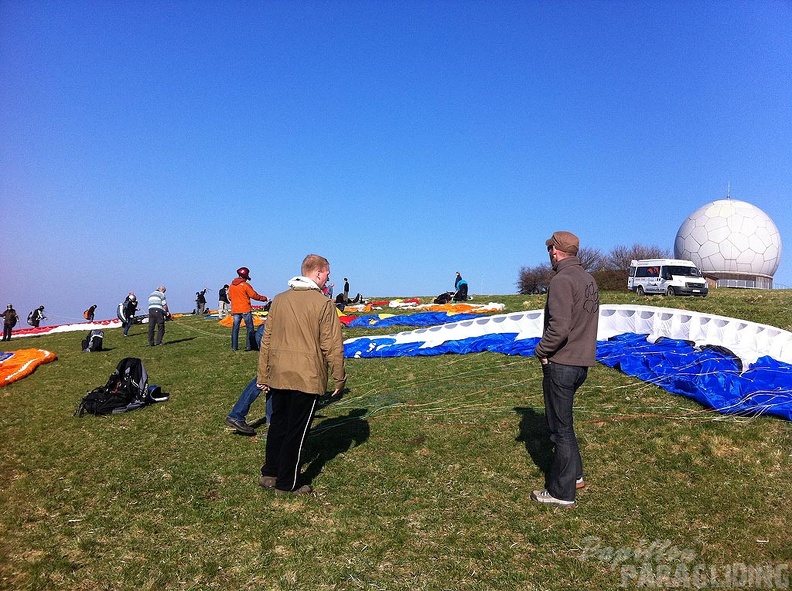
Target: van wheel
{"points": [[670, 291], [639, 290]]}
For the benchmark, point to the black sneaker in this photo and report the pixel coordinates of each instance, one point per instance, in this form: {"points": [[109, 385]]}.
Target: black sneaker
{"points": [[240, 426]]}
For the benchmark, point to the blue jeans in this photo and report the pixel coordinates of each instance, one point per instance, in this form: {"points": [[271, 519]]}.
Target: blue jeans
{"points": [[559, 384], [248, 318], [246, 400]]}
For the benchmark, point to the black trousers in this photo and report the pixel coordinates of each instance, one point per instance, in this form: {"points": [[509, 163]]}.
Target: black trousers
{"points": [[292, 413]]}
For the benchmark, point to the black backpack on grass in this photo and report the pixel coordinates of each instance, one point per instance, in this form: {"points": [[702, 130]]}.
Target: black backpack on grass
{"points": [[444, 298], [126, 389], [101, 402], [93, 341]]}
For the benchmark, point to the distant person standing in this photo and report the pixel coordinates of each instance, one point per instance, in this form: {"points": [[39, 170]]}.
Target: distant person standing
{"points": [[301, 346], [36, 316], [89, 313], [566, 350], [223, 305], [457, 279], [240, 293], [129, 307], [346, 290], [200, 302], [10, 319], [158, 311]]}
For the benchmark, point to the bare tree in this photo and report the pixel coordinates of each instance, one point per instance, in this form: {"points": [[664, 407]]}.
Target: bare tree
{"points": [[621, 256], [534, 279], [592, 259]]}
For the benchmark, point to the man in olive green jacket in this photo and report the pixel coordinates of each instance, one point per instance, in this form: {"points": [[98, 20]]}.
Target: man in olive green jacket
{"points": [[302, 339]]}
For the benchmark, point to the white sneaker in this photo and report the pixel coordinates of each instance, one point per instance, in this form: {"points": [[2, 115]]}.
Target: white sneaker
{"points": [[544, 497], [580, 483]]}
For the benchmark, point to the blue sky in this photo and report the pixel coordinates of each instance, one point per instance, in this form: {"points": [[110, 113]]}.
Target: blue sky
{"points": [[171, 141]]}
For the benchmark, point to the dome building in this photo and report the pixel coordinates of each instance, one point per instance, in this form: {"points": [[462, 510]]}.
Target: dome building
{"points": [[732, 241]]}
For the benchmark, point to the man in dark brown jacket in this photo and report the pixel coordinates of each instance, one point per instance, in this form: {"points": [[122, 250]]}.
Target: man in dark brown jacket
{"points": [[566, 350], [302, 339], [10, 319]]}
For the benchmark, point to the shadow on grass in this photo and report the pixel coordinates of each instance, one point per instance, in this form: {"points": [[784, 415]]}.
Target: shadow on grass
{"points": [[177, 341], [332, 437], [536, 437]]}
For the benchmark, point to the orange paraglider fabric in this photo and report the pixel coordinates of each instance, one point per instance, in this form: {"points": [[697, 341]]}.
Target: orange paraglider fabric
{"points": [[15, 365], [229, 321]]}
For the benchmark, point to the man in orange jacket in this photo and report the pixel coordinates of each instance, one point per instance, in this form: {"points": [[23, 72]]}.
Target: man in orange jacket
{"points": [[240, 293]]}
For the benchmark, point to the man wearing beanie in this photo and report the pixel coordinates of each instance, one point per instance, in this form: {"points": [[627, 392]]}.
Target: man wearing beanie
{"points": [[566, 350]]}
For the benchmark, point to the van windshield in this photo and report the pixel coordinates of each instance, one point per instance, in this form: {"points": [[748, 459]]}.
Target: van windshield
{"points": [[683, 271]]}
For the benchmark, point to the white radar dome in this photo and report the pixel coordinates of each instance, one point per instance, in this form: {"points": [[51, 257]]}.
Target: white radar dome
{"points": [[729, 238]]}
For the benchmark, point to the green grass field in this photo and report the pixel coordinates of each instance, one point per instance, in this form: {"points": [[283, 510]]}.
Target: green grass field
{"points": [[422, 473]]}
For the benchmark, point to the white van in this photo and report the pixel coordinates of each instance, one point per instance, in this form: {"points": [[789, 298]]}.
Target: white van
{"points": [[666, 276]]}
